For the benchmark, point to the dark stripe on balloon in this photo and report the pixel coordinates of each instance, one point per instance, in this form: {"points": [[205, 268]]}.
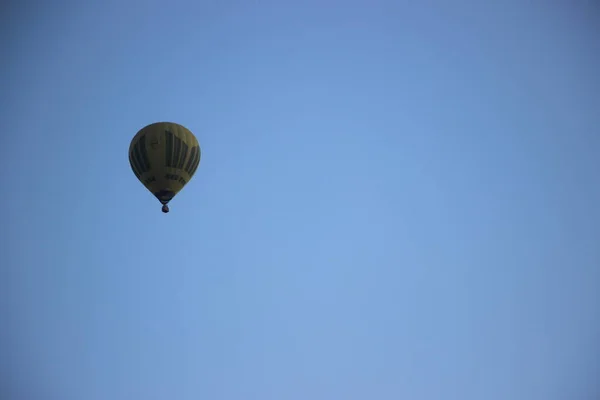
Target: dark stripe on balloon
{"points": [[184, 152], [134, 167], [138, 158], [177, 152], [190, 162], [169, 148], [196, 161], [144, 152]]}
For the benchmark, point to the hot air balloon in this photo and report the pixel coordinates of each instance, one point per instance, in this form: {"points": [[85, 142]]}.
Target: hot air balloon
{"points": [[164, 156]]}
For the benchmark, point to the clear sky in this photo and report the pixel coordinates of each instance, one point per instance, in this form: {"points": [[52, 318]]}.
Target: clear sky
{"points": [[396, 200]]}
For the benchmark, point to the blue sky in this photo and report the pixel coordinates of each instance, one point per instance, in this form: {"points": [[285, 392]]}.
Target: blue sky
{"points": [[395, 201]]}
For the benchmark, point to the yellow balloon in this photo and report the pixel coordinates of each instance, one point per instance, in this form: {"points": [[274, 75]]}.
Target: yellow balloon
{"points": [[164, 156]]}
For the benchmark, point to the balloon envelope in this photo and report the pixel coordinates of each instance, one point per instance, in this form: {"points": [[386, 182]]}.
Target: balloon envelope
{"points": [[164, 156]]}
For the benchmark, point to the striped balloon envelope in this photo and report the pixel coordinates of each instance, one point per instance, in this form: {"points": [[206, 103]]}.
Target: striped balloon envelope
{"points": [[164, 156]]}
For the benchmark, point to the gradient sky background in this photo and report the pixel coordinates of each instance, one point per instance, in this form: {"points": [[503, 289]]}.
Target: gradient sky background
{"points": [[396, 200]]}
